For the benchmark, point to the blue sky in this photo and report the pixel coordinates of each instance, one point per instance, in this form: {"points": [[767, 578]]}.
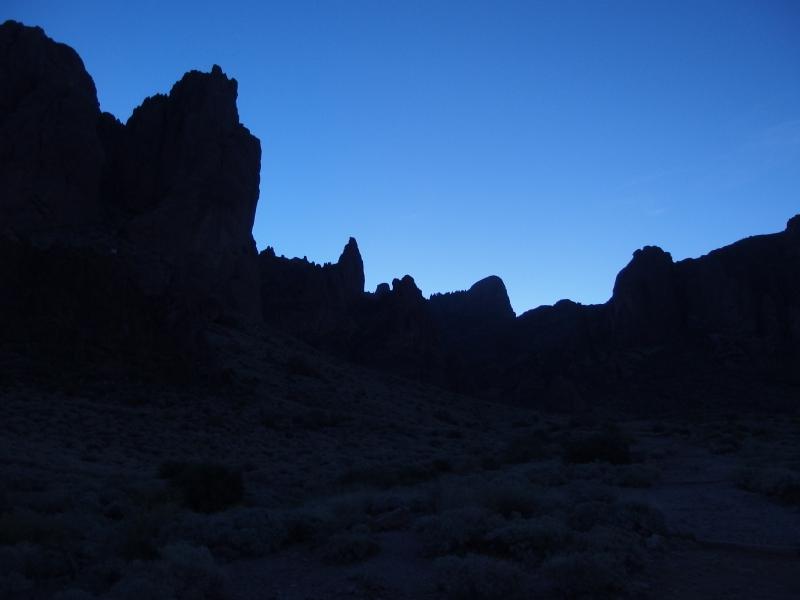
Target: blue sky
{"points": [[539, 141]]}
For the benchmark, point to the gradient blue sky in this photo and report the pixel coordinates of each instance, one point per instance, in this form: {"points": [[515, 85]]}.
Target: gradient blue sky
{"points": [[539, 141]]}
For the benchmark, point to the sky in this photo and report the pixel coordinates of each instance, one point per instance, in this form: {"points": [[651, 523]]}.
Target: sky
{"points": [[542, 142]]}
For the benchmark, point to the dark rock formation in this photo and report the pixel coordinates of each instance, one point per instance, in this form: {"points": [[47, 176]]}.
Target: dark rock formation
{"points": [[351, 270], [308, 299], [173, 191], [645, 304], [486, 300], [66, 309], [112, 234], [714, 329], [187, 176], [51, 156]]}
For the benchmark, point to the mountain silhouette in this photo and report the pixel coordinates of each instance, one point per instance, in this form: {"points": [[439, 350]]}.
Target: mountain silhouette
{"points": [[158, 212]]}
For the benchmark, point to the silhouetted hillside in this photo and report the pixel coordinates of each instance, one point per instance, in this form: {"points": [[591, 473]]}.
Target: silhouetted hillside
{"points": [[173, 191], [708, 329], [158, 213]]}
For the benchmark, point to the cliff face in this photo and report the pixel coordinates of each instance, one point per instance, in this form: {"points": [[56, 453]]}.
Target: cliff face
{"points": [[119, 243], [719, 328], [173, 191], [749, 291], [183, 183], [51, 156], [311, 300]]}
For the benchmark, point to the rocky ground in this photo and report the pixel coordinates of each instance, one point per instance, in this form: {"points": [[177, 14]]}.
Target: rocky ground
{"points": [[307, 478]]}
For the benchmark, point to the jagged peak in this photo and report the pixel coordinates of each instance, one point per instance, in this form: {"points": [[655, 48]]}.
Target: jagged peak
{"points": [[351, 266], [652, 253], [491, 283], [212, 94], [49, 64], [406, 287], [350, 252]]}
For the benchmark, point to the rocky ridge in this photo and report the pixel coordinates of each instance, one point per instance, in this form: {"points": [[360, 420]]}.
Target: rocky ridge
{"points": [[128, 240]]}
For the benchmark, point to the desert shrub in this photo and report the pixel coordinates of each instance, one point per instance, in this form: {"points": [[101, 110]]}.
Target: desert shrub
{"points": [[659, 427], [185, 573], [74, 594], [529, 540], [19, 526], [725, 443], [272, 419], [638, 517], [548, 473], [27, 564], [298, 365], [390, 475], [193, 570], [633, 476], [310, 523], [586, 575], [526, 447], [580, 490], [589, 471], [456, 531], [317, 419], [626, 546], [448, 492], [480, 578], [205, 487], [582, 516], [510, 496], [143, 532], [15, 585], [776, 482], [349, 547], [445, 416], [233, 534], [610, 445], [393, 520]]}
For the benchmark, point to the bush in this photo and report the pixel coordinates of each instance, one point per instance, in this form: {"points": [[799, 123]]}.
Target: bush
{"points": [[27, 526], [633, 476], [480, 578], [234, 534], [349, 548], [514, 496], [586, 575], [298, 365], [582, 516], [205, 487], [530, 540], [625, 546], [456, 531], [194, 571], [391, 475], [639, 518], [525, 448], [776, 482], [610, 445], [142, 533], [317, 419], [185, 573]]}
